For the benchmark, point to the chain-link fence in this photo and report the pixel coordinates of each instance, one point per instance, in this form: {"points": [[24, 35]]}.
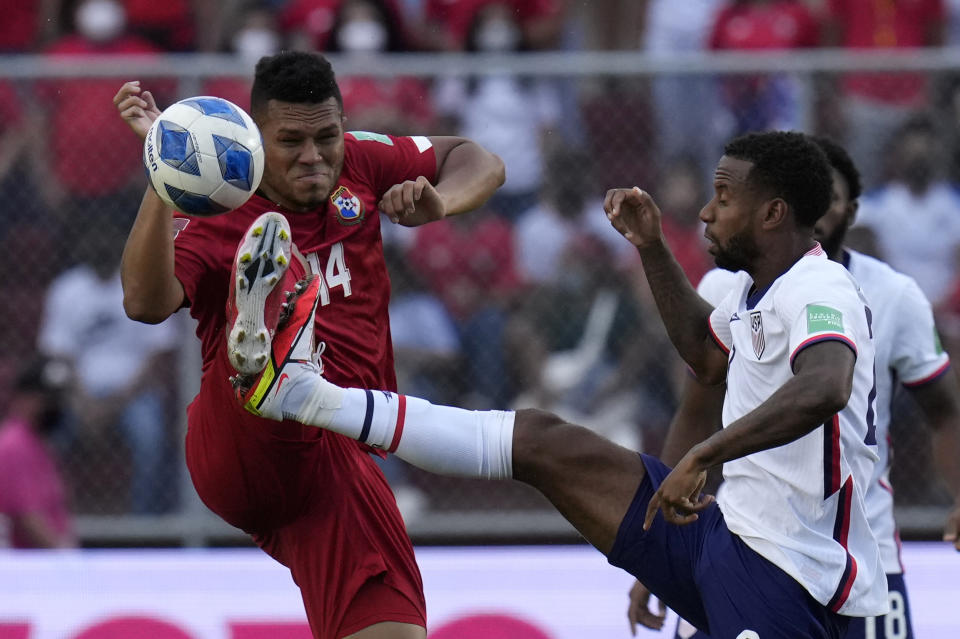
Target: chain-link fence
{"points": [[532, 301]]}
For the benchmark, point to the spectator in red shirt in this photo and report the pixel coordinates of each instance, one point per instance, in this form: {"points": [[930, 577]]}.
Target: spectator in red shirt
{"points": [[90, 155], [874, 105], [757, 103], [26, 25], [168, 24], [468, 262], [33, 499]]}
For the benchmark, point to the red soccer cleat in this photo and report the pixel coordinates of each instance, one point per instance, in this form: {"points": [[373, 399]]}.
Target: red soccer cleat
{"points": [[292, 354]]}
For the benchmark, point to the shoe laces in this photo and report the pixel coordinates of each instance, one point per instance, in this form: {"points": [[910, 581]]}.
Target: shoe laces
{"points": [[317, 355]]}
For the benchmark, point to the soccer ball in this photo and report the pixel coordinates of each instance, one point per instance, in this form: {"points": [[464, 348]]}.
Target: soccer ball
{"points": [[204, 156]]}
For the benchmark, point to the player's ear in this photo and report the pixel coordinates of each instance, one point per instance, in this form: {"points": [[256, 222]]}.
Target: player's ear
{"points": [[852, 209], [775, 214]]}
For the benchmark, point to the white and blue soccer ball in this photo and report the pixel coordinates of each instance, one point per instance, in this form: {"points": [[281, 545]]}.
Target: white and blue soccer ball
{"points": [[204, 156]]}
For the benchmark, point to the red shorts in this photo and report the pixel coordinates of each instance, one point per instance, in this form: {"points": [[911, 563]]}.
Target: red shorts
{"points": [[315, 501], [377, 602]]}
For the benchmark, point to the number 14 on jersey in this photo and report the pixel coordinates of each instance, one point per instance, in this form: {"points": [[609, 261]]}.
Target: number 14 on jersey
{"points": [[334, 274]]}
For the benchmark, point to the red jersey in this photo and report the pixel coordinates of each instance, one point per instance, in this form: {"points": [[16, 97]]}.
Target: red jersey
{"points": [[872, 24], [93, 153], [313, 499], [18, 28], [788, 24], [467, 262]]}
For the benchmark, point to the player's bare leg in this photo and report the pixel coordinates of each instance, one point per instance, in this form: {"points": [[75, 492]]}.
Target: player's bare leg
{"points": [[588, 478], [390, 630]]}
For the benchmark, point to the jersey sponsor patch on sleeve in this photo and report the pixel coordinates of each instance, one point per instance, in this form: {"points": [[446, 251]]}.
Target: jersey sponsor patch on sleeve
{"points": [[423, 142], [373, 137], [179, 224], [822, 319]]}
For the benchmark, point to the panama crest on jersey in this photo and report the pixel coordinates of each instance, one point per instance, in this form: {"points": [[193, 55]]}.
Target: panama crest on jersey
{"points": [[349, 207], [756, 333]]}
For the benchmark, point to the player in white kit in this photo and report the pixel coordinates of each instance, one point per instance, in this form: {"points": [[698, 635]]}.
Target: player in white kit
{"points": [[788, 551], [907, 352]]}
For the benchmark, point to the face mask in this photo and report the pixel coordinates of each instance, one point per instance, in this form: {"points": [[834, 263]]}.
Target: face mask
{"points": [[100, 20], [362, 36], [498, 35], [253, 44]]}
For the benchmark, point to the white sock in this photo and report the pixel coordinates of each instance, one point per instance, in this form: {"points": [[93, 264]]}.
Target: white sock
{"points": [[440, 439]]}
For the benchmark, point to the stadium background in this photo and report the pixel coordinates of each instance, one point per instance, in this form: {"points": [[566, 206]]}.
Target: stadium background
{"points": [[528, 302]]}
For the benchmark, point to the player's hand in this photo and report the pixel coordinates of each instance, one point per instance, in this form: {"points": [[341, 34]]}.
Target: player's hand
{"points": [[136, 107], [679, 495], [951, 532], [634, 214], [412, 203], [638, 610]]}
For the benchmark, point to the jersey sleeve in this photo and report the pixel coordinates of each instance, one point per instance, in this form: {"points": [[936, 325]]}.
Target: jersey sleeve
{"points": [[390, 160], [194, 255], [719, 323], [916, 354], [716, 284], [821, 311], [717, 287]]}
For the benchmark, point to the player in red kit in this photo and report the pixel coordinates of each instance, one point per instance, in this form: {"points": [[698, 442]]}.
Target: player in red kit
{"points": [[315, 501]]}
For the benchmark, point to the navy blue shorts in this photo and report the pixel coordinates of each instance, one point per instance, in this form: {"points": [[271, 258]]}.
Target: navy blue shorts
{"points": [[708, 576], [895, 624]]}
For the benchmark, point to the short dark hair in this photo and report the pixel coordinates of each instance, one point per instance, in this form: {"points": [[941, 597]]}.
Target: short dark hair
{"points": [[790, 166], [840, 160], [293, 76]]}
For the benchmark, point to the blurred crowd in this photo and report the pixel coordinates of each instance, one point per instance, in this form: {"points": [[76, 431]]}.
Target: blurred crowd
{"points": [[534, 301]]}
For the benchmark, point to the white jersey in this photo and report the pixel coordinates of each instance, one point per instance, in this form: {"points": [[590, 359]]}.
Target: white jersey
{"points": [[908, 351], [801, 505]]}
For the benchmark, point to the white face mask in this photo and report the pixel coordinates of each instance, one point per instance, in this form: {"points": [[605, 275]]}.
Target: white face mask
{"points": [[362, 36], [498, 35], [100, 20], [254, 43]]}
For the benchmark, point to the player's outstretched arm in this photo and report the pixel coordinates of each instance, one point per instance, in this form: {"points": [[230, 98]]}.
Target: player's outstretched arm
{"points": [[151, 290], [136, 107], [685, 314], [820, 387], [467, 175], [939, 402]]}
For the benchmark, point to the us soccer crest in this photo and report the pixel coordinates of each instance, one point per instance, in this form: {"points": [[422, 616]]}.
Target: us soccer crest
{"points": [[349, 207], [756, 333]]}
